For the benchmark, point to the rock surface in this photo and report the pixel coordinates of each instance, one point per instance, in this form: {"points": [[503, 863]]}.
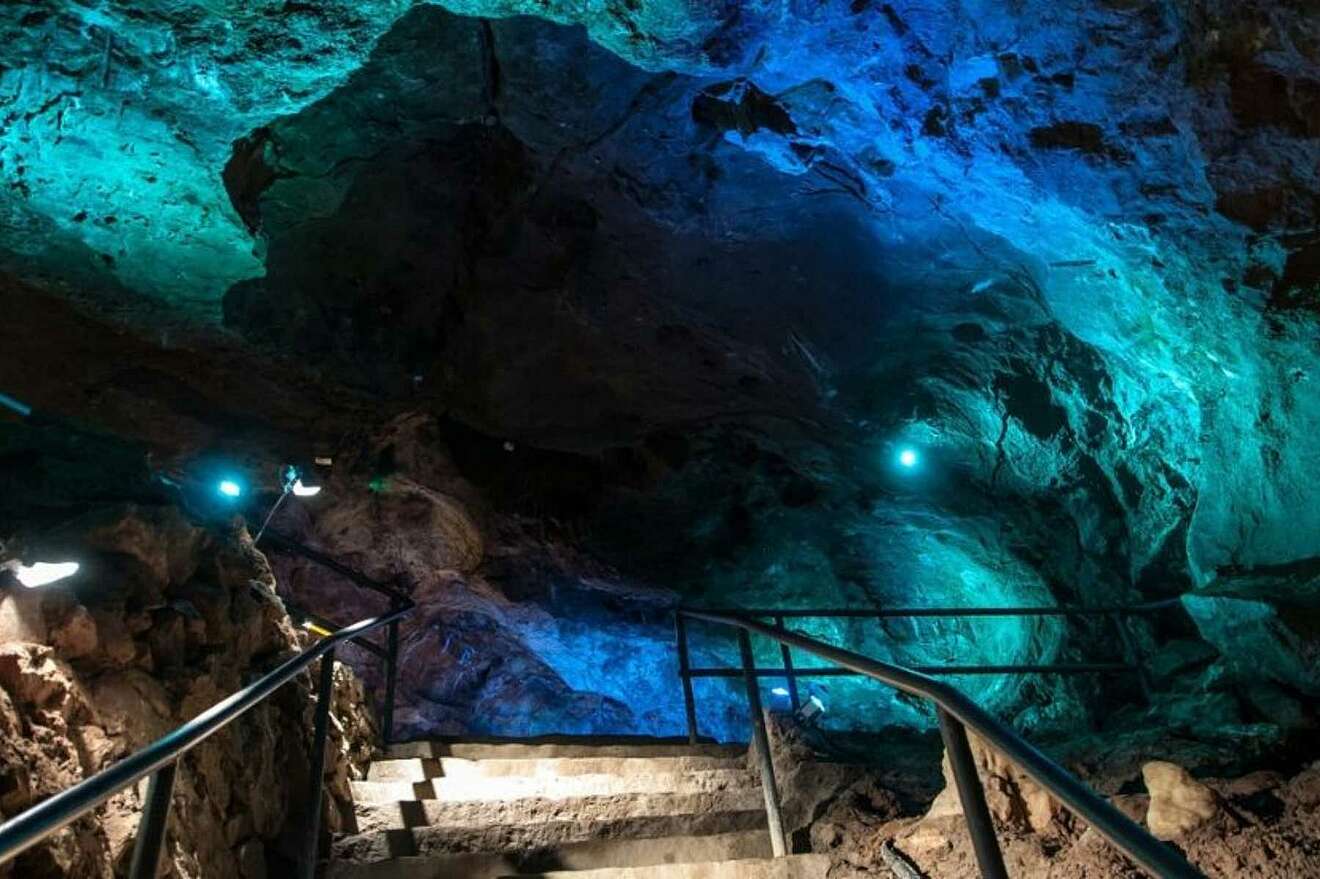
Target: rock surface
{"points": [[1178, 802], [165, 619], [681, 282]]}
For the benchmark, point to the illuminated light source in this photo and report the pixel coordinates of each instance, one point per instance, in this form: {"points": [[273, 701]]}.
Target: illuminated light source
{"points": [[811, 711], [301, 490], [315, 629], [779, 691], [908, 458], [229, 488], [43, 573]]}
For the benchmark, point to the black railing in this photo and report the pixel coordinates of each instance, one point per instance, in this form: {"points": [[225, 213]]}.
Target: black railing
{"points": [[160, 759], [1117, 616], [956, 712], [321, 626]]}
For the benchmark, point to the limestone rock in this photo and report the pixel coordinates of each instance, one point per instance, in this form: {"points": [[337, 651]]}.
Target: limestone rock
{"points": [[1015, 801], [113, 679], [1178, 802]]}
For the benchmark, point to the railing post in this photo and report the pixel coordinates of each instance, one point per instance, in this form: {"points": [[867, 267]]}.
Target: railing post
{"points": [[684, 674], [1132, 653], [788, 670], [979, 825], [151, 826], [321, 726], [391, 674], [761, 747]]}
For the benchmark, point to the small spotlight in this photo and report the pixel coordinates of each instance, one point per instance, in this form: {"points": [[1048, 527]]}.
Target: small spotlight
{"points": [[908, 458], [301, 490], [779, 691], [44, 573], [811, 711], [229, 488]]}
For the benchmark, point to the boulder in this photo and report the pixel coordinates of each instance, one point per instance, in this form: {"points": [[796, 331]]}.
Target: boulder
{"points": [[1015, 801], [1178, 802]]}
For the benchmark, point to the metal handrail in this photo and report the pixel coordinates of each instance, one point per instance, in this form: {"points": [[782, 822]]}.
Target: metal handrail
{"points": [[158, 759], [1117, 615], [903, 612], [389, 654], [956, 713]]}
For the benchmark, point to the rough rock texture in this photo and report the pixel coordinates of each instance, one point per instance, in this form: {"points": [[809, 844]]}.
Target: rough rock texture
{"points": [[514, 633], [1015, 801], [165, 619], [1178, 802], [543, 264], [1264, 825], [681, 280]]}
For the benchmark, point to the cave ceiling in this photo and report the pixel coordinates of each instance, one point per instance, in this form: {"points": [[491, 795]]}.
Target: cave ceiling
{"points": [[741, 257]]}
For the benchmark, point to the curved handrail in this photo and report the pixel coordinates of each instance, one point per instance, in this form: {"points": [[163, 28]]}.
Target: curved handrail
{"points": [[49, 816], [1109, 822]]}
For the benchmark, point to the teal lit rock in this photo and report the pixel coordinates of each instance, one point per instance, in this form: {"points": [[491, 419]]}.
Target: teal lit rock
{"points": [[709, 270]]}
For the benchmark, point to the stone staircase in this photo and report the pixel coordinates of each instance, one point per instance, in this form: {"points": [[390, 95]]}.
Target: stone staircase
{"points": [[586, 809]]}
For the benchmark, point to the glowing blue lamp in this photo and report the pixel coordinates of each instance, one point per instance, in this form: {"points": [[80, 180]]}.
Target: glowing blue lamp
{"points": [[908, 458], [779, 691], [229, 488]]}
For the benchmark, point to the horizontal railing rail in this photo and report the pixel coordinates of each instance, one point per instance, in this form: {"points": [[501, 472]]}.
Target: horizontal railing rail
{"points": [[956, 713], [159, 758], [288, 544], [895, 612], [321, 626], [1116, 615]]}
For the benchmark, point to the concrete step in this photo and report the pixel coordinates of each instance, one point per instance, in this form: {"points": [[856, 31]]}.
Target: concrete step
{"points": [[553, 787], [563, 747], [475, 827], [794, 867], [592, 855], [422, 768], [538, 810]]}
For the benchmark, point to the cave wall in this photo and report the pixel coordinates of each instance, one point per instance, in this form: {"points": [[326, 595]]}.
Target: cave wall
{"points": [[164, 619], [687, 278]]}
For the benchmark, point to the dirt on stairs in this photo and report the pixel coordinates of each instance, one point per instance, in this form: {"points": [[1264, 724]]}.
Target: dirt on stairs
{"points": [[583, 809]]}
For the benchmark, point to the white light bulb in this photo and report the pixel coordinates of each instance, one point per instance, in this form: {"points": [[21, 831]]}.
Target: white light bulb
{"points": [[305, 490], [44, 573], [908, 458]]}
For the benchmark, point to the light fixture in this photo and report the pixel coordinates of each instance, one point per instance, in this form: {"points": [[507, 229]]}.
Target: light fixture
{"points": [[908, 458], [301, 490], [229, 488], [779, 691], [811, 711], [293, 483], [42, 573]]}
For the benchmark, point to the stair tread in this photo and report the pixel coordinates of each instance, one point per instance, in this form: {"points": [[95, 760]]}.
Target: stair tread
{"points": [[517, 787], [588, 855], [563, 747], [793, 867], [443, 839], [539, 809], [420, 768]]}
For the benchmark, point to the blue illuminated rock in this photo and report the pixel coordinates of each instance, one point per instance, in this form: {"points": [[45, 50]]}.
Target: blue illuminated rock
{"points": [[720, 263]]}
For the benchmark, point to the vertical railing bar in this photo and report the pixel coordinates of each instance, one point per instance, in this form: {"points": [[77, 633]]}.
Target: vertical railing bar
{"points": [[970, 792], [151, 826], [684, 674], [761, 747], [391, 675], [788, 669], [1133, 653], [321, 728]]}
